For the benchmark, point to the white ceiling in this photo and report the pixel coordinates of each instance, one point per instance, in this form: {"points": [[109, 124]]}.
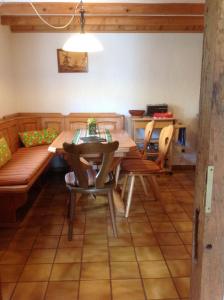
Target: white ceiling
{"points": [[111, 1]]}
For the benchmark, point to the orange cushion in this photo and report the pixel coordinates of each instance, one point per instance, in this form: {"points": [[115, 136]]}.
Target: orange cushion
{"points": [[23, 166], [139, 166]]}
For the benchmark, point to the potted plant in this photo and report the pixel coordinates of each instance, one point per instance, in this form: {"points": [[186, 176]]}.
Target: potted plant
{"points": [[92, 130]]}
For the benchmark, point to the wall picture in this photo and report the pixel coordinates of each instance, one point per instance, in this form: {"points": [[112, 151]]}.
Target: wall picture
{"points": [[72, 62]]}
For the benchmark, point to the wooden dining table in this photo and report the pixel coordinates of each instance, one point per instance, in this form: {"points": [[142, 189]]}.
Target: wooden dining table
{"points": [[125, 141], [125, 145]]}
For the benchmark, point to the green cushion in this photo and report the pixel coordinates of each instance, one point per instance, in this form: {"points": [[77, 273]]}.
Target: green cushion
{"points": [[38, 137], [5, 153]]}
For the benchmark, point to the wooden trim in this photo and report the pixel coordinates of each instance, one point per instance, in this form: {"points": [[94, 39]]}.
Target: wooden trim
{"points": [[106, 17], [113, 29], [106, 20], [56, 8]]}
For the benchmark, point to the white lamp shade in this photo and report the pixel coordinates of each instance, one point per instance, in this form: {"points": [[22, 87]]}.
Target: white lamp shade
{"points": [[82, 42]]}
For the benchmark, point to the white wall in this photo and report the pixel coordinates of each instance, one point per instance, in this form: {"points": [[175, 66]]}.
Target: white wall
{"points": [[7, 99], [134, 70]]}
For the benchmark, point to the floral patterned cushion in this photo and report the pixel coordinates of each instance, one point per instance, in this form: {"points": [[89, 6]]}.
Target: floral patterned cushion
{"points": [[38, 137], [5, 153]]}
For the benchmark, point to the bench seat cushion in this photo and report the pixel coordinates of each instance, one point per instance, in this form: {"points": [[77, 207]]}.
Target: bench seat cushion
{"points": [[23, 166]]}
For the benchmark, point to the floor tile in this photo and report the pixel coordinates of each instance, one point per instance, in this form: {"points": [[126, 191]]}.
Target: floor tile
{"points": [[148, 253], [154, 269], [168, 239], [68, 271], [124, 270], [179, 268], [62, 290], [10, 273], [78, 228], [162, 227], [95, 254], [30, 290], [144, 240], [162, 288], [95, 270], [37, 272], [68, 255], [127, 290], [124, 240], [51, 229], [7, 290], [95, 239], [183, 286], [41, 256], [47, 242], [21, 243], [186, 237], [95, 290], [175, 252], [122, 254], [77, 241], [140, 228], [15, 257], [183, 226], [158, 217], [96, 228]]}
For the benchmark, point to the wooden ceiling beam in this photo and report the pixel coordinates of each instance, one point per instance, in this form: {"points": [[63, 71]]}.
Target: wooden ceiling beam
{"points": [[107, 20], [57, 8], [114, 28]]}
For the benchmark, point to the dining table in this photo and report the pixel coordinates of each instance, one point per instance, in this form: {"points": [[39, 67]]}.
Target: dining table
{"points": [[76, 136], [79, 135]]}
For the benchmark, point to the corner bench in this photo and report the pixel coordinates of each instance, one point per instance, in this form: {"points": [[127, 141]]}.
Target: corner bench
{"points": [[19, 174], [27, 164]]}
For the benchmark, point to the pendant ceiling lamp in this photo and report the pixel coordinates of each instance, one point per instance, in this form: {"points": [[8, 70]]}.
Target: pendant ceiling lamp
{"points": [[82, 42], [78, 42]]}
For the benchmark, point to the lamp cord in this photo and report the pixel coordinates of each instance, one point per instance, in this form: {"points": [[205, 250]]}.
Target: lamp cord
{"points": [[46, 22], [50, 25], [82, 20]]}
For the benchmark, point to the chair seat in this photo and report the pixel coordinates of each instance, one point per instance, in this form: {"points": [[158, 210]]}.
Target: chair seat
{"points": [[71, 179], [133, 154], [139, 166]]}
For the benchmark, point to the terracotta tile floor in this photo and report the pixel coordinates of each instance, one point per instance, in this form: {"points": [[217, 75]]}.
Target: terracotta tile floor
{"points": [[150, 260]]}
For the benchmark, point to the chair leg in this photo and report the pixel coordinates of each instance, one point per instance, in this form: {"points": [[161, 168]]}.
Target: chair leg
{"points": [[71, 215], [143, 184], [155, 187], [130, 193], [117, 174], [124, 186], [112, 213], [69, 204]]}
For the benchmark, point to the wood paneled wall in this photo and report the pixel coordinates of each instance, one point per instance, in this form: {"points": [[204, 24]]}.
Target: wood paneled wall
{"points": [[11, 125]]}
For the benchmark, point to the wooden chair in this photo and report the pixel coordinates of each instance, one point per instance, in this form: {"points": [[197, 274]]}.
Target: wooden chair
{"points": [[135, 153], [147, 168], [138, 154], [85, 180]]}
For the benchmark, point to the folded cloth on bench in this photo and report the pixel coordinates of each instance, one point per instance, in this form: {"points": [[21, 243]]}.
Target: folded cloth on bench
{"points": [[23, 166]]}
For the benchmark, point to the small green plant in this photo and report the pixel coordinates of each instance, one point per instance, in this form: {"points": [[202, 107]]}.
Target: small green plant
{"points": [[91, 126]]}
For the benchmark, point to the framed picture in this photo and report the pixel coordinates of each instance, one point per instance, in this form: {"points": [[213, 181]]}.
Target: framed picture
{"points": [[72, 62]]}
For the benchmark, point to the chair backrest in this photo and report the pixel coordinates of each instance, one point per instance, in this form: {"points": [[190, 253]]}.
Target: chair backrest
{"points": [[75, 152], [148, 134], [165, 139]]}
